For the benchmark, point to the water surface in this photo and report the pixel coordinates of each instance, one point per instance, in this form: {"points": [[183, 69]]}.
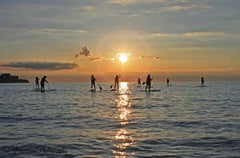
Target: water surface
{"points": [[183, 120]]}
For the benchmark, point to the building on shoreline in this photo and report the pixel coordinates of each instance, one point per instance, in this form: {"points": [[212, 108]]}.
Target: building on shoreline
{"points": [[7, 78]]}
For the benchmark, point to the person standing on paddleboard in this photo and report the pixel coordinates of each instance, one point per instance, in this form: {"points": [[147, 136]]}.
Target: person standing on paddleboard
{"points": [[139, 81], [37, 82], [168, 82], [202, 82], [93, 80], [42, 82], [116, 82], [148, 83]]}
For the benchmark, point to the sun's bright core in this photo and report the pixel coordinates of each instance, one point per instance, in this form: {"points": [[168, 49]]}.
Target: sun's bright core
{"points": [[123, 57]]}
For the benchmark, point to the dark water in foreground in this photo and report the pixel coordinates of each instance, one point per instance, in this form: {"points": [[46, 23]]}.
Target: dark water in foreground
{"points": [[179, 121]]}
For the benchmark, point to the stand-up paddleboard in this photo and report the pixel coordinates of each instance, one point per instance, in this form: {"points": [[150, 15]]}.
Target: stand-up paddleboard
{"points": [[46, 90], [37, 89], [152, 90], [50, 90], [155, 90], [201, 86], [97, 90], [138, 86]]}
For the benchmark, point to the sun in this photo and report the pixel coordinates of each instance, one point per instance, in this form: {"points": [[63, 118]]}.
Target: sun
{"points": [[122, 57]]}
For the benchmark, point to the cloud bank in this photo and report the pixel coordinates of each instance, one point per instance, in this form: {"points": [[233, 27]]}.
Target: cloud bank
{"points": [[193, 34], [55, 31], [41, 65], [134, 1]]}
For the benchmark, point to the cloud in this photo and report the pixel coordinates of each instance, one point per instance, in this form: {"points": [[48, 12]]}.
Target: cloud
{"points": [[111, 60], [203, 34], [164, 35], [148, 57], [88, 8], [166, 5], [186, 6], [84, 52], [55, 31], [192, 34], [151, 7], [41, 65], [94, 59], [88, 56], [133, 1], [123, 1]]}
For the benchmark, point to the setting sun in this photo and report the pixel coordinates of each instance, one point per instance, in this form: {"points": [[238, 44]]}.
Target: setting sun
{"points": [[123, 57]]}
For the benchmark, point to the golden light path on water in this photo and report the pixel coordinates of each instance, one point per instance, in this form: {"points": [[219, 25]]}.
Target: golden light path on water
{"points": [[123, 137]]}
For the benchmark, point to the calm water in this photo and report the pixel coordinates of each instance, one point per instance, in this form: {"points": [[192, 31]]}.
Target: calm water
{"points": [[179, 121]]}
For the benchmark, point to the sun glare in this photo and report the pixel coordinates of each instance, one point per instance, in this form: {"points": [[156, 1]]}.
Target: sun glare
{"points": [[123, 57]]}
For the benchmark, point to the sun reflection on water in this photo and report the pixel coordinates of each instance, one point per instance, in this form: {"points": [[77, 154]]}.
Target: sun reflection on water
{"points": [[123, 137]]}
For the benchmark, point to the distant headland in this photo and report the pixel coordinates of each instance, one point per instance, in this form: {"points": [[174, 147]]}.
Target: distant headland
{"points": [[7, 78]]}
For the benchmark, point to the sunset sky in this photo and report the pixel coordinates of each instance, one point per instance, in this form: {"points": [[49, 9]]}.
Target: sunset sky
{"points": [[68, 40]]}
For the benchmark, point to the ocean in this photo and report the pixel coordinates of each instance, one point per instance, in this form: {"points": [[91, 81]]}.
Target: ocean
{"points": [[182, 121]]}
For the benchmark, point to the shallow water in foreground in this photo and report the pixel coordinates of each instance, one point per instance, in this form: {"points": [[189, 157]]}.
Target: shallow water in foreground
{"points": [[183, 120]]}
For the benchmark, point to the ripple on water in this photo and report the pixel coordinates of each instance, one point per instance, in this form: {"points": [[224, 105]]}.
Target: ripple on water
{"points": [[34, 150]]}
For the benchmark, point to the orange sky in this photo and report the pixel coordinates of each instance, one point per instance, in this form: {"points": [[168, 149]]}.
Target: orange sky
{"points": [[180, 39]]}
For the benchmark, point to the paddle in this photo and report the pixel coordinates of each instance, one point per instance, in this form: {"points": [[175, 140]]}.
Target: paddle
{"points": [[99, 85], [111, 86], [48, 86], [51, 89]]}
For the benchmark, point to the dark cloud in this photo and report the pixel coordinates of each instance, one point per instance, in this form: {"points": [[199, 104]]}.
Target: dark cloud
{"points": [[85, 52], [94, 59], [41, 65], [148, 57]]}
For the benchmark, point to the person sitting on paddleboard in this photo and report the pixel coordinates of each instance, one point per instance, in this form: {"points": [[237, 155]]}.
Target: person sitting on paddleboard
{"points": [[93, 79], [116, 82], [148, 82], [43, 80]]}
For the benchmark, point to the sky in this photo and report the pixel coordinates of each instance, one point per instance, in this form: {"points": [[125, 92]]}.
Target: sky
{"points": [[68, 40]]}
